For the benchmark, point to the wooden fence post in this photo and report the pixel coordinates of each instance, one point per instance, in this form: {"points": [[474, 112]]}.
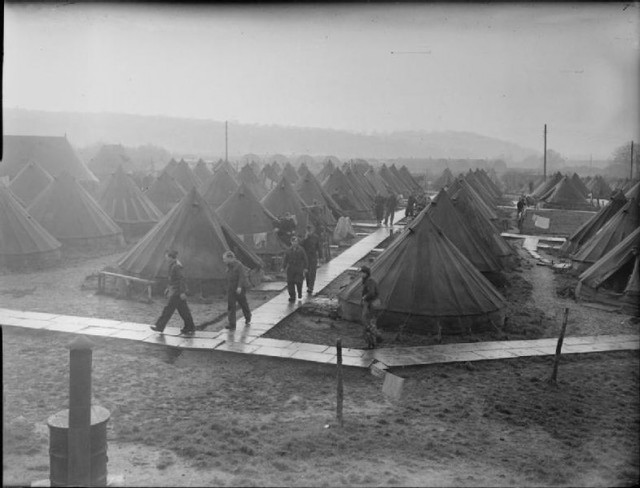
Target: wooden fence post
{"points": [[554, 374], [339, 381]]}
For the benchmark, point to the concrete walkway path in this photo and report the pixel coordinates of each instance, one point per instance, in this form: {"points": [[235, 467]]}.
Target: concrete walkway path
{"points": [[249, 340]]}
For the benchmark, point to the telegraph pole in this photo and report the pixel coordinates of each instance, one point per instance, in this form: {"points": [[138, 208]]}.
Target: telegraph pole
{"points": [[631, 168], [545, 153], [226, 143]]}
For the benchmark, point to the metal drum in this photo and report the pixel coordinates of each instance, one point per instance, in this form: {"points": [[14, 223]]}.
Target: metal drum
{"points": [[58, 457]]}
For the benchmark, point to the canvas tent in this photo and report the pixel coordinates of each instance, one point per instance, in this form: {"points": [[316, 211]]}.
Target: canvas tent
{"points": [[24, 243], [565, 195], [170, 167], [194, 230], [251, 221], [54, 154], [128, 206], [587, 230], [184, 175], [312, 194], [282, 199], [409, 179], [465, 238], [377, 182], [227, 166], [623, 223], [327, 168], [202, 172], [72, 216], [341, 190], [290, 172], [30, 181], [426, 284], [614, 278], [579, 184], [444, 180], [599, 188], [220, 187], [165, 192], [406, 188], [109, 158], [391, 180], [481, 226], [545, 185], [249, 177], [479, 204]]}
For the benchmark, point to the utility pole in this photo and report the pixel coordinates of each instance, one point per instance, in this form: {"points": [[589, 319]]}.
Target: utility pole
{"points": [[545, 153], [226, 143], [631, 169]]}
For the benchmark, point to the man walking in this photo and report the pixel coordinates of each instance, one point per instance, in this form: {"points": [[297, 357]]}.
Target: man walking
{"points": [[296, 264], [390, 210], [313, 249], [378, 206], [237, 284], [370, 312], [177, 298]]}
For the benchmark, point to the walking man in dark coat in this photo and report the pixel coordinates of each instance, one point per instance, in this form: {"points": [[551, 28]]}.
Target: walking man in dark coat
{"points": [[313, 249], [370, 312], [296, 264], [378, 206], [237, 285], [411, 202], [177, 298], [390, 210]]}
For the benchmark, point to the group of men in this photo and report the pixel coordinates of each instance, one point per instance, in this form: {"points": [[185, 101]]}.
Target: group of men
{"points": [[300, 263], [385, 208]]}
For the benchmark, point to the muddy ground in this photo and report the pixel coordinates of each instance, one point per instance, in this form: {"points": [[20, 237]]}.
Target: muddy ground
{"points": [[221, 419]]}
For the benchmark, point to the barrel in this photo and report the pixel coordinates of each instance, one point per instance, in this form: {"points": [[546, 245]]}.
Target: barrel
{"points": [[58, 456]]}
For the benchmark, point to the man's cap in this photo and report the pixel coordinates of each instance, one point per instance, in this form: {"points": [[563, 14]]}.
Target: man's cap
{"points": [[366, 269], [229, 255], [172, 254]]}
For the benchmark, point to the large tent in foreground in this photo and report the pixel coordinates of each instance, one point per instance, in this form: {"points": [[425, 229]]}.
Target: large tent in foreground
{"points": [[24, 243], [194, 230], [615, 278], [428, 285], [72, 216]]}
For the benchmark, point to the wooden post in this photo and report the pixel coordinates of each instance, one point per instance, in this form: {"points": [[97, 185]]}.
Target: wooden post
{"points": [[545, 153], [339, 381], [631, 169], [554, 374], [79, 435]]}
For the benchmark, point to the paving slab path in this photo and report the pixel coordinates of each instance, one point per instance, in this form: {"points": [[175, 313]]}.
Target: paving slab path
{"points": [[249, 340]]}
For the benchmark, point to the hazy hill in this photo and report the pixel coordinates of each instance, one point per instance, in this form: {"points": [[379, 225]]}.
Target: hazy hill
{"points": [[206, 137]]}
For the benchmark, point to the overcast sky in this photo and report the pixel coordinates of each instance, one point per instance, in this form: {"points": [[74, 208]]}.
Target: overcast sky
{"points": [[501, 70]]}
